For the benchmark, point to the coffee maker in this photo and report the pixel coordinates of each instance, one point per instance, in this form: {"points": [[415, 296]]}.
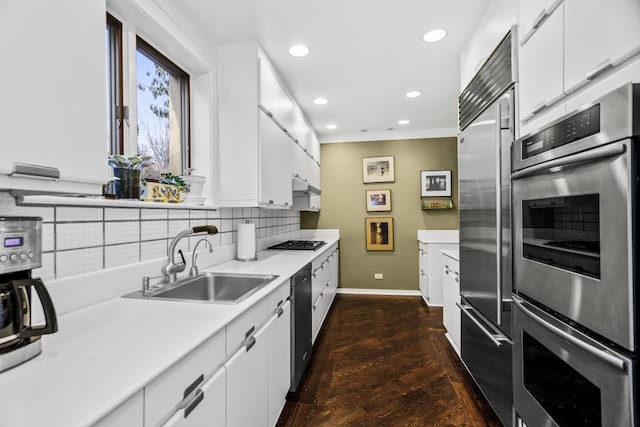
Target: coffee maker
{"points": [[20, 253]]}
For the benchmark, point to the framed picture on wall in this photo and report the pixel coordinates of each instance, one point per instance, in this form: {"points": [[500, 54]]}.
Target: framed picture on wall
{"points": [[378, 169], [379, 233], [435, 183], [378, 200]]}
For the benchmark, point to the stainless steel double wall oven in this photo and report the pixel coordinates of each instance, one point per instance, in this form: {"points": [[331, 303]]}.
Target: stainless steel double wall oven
{"points": [[575, 228]]}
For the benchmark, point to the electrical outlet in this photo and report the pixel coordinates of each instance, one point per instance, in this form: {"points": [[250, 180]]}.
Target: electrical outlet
{"points": [[377, 276]]}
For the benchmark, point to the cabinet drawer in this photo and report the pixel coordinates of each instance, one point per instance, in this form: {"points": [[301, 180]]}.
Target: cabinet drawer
{"points": [[279, 297], [165, 392], [245, 325]]}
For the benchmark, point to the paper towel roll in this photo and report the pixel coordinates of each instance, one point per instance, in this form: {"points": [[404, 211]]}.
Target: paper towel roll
{"points": [[247, 242]]}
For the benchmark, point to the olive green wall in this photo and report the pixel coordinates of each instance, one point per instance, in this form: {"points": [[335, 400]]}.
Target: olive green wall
{"points": [[344, 208]]}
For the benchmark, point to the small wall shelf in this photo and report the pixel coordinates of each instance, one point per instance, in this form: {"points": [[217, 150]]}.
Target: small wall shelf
{"points": [[437, 204]]}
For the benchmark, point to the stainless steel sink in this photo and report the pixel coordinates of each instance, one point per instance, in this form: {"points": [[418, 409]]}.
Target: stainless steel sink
{"points": [[221, 288]]}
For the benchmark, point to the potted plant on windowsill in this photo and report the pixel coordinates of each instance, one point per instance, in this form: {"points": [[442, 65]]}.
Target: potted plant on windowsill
{"points": [[169, 188], [127, 171]]}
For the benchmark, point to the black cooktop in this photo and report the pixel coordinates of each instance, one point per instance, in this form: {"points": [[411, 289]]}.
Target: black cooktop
{"points": [[298, 245]]}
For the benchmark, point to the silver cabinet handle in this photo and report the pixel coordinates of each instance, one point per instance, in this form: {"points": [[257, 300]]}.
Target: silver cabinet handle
{"points": [[194, 403], [539, 108], [251, 343], [497, 339], [599, 69], [539, 19], [594, 351]]}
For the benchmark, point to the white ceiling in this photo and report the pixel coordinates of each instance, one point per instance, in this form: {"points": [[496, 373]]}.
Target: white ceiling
{"points": [[365, 55]]}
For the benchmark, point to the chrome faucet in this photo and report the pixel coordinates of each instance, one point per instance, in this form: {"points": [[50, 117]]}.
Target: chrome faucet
{"points": [[194, 268], [172, 268]]}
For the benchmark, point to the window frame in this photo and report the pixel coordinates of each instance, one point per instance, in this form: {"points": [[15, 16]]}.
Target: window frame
{"points": [[115, 81], [185, 99]]}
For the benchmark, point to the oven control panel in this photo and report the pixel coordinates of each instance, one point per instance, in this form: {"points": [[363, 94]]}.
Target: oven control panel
{"points": [[20, 247], [573, 128]]}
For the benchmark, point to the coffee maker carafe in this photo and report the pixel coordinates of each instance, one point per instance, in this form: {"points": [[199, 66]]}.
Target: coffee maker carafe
{"points": [[20, 252]]}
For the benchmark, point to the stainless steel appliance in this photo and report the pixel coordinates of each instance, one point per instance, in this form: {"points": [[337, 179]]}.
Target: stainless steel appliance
{"points": [[487, 121], [20, 252], [299, 245], [301, 344], [575, 222], [575, 216]]}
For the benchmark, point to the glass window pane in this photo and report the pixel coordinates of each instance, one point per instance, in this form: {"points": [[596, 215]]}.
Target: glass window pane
{"points": [[161, 94]]}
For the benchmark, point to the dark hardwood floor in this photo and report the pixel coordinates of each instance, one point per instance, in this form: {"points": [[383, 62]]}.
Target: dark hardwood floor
{"points": [[384, 361]]}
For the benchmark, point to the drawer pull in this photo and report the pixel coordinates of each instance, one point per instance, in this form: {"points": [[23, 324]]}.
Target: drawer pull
{"points": [[280, 311], [250, 331], [191, 406], [194, 385], [280, 303], [251, 343]]}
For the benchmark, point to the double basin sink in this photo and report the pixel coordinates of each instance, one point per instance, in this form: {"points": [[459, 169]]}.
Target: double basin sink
{"points": [[213, 288]]}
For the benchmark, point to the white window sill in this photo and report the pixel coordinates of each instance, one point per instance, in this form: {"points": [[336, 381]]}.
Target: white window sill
{"points": [[102, 202]]}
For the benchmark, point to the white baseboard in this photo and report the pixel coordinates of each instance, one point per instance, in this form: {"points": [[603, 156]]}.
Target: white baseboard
{"points": [[397, 292]]}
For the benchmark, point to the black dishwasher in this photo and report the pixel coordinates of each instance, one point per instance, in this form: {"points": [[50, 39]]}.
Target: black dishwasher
{"points": [[301, 346]]}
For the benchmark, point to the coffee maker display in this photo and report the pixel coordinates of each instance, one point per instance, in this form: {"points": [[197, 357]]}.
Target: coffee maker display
{"points": [[20, 253]]}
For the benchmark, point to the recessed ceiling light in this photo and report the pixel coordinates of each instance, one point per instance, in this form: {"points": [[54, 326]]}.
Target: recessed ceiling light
{"points": [[331, 126], [298, 50], [413, 94], [403, 122], [320, 101], [434, 35]]}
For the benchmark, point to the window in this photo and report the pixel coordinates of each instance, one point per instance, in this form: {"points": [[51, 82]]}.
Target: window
{"points": [[163, 111], [115, 130]]}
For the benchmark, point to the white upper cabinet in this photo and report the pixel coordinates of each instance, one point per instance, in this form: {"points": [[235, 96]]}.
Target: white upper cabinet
{"points": [[541, 66], [598, 36], [259, 124], [53, 102]]}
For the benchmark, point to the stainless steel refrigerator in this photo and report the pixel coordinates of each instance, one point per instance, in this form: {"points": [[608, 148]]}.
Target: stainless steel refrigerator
{"points": [[484, 169]]}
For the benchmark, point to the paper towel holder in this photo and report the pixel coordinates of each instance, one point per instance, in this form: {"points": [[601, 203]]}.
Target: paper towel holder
{"points": [[255, 245]]}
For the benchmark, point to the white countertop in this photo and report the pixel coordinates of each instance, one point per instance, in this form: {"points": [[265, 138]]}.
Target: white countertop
{"points": [[452, 253], [105, 353], [438, 236]]}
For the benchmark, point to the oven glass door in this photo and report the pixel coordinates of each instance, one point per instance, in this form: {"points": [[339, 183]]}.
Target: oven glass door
{"points": [[573, 241], [563, 378]]}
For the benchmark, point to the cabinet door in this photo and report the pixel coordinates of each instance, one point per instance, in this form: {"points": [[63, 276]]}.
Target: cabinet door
{"points": [[207, 408], [279, 363], [451, 296], [247, 382], [541, 67], [271, 96], [422, 270], [53, 102], [597, 37], [531, 16], [275, 165]]}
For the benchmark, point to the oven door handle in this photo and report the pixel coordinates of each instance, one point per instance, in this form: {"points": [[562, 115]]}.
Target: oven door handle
{"points": [[600, 354], [587, 156], [497, 339]]}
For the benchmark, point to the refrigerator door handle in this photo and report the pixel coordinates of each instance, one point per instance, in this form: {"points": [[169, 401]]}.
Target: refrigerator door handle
{"points": [[498, 213], [497, 339]]}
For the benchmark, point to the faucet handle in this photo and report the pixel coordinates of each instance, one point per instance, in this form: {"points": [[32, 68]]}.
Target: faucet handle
{"points": [[182, 256]]}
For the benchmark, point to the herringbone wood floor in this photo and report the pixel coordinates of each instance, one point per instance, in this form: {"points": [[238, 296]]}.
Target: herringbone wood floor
{"points": [[384, 361]]}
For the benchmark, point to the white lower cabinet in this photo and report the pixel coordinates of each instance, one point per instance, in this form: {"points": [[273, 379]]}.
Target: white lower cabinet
{"points": [[247, 380], [324, 285], [279, 363], [430, 243], [207, 408], [451, 297]]}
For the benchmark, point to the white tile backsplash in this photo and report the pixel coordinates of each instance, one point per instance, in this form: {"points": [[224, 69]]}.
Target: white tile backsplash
{"points": [[114, 214], [48, 237], [117, 255], [78, 235], [153, 214], [71, 263], [151, 230], [79, 240], [153, 249], [78, 214], [121, 232]]}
